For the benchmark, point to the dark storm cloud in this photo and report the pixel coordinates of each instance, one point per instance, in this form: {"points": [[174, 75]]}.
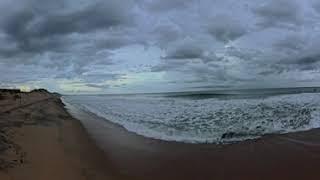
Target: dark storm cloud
{"points": [[305, 63], [291, 44], [36, 30], [26, 47], [94, 17], [304, 60], [113, 43], [186, 51], [165, 34], [225, 43], [279, 12], [225, 29], [61, 39], [166, 5]]}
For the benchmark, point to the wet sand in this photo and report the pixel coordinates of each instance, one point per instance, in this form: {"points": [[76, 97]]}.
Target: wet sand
{"points": [[40, 140], [289, 156]]}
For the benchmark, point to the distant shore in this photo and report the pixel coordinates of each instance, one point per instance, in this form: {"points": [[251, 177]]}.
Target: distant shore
{"points": [[40, 140]]}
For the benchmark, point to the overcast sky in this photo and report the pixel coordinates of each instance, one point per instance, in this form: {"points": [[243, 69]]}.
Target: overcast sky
{"points": [[123, 46]]}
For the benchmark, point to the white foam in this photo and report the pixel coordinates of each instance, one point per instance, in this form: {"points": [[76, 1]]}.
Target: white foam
{"points": [[205, 120]]}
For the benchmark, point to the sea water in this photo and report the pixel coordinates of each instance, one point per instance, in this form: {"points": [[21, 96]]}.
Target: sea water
{"points": [[208, 117]]}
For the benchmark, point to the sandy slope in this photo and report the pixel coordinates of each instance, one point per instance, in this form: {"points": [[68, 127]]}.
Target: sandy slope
{"points": [[41, 141]]}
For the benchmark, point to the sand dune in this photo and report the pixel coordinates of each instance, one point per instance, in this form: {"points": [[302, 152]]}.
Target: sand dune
{"points": [[40, 140]]}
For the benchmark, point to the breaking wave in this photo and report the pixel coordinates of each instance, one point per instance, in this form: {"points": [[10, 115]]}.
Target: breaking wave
{"points": [[205, 120]]}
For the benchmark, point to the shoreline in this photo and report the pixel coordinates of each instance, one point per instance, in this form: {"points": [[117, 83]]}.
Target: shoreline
{"points": [[277, 156], [216, 121], [45, 141], [82, 115]]}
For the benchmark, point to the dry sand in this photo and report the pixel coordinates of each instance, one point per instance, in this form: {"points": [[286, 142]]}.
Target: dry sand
{"points": [[39, 140]]}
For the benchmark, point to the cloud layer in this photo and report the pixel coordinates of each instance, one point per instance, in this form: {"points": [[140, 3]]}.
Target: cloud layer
{"points": [[139, 45]]}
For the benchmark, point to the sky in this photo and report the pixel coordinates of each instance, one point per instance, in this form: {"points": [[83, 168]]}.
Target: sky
{"points": [[129, 46]]}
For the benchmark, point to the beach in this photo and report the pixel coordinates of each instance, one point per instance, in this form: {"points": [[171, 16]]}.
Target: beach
{"points": [[288, 156], [41, 140]]}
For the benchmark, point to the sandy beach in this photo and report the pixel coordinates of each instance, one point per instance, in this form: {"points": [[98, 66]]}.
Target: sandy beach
{"points": [[288, 156], [40, 140], [159, 89]]}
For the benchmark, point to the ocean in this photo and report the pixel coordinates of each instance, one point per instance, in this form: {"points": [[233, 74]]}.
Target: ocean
{"points": [[209, 116]]}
